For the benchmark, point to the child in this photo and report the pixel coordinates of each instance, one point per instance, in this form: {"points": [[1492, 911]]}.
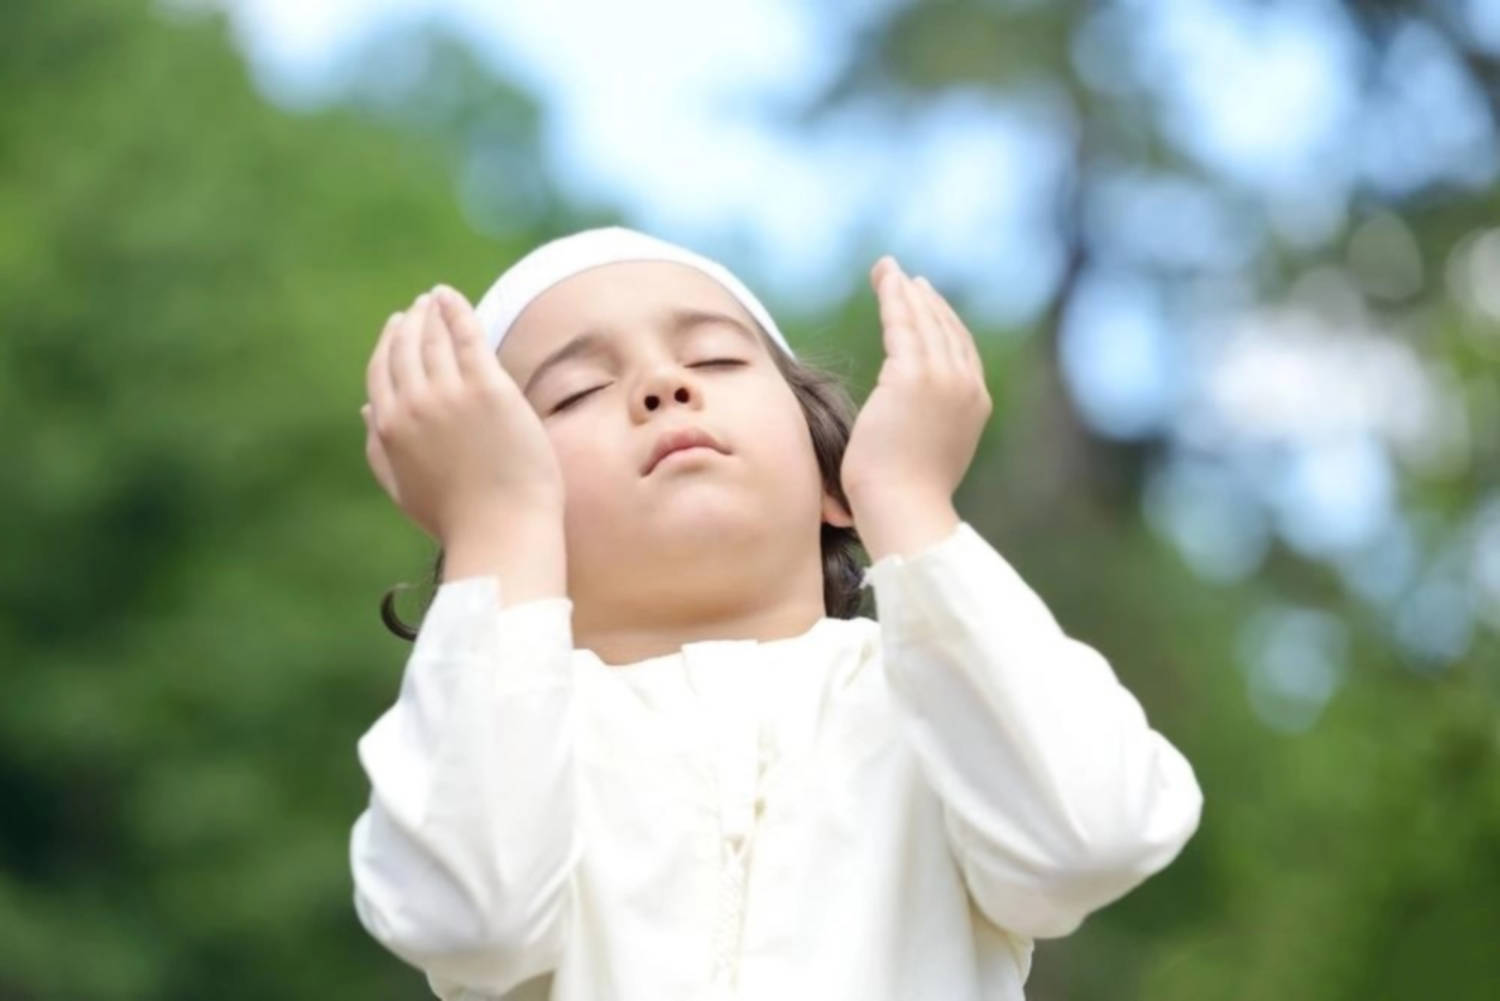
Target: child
{"points": [[644, 747]]}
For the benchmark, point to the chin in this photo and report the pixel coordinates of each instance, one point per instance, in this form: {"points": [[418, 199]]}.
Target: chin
{"points": [[699, 518]]}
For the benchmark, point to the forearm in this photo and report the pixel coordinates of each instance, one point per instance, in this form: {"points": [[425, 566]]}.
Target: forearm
{"points": [[1059, 795], [462, 859]]}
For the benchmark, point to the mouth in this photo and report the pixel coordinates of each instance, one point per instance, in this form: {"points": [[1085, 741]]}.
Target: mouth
{"points": [[690, 450], [688, 440]]}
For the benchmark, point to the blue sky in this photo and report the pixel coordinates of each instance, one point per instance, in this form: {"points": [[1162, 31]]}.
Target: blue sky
{"points": [[677, 135], [1258, 96]]}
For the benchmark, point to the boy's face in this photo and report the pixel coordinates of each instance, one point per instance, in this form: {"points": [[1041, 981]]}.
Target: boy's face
{"points": [[702, 526]]}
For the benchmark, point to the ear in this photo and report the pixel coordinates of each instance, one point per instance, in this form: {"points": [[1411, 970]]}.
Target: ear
{"points": [[834, 513]]}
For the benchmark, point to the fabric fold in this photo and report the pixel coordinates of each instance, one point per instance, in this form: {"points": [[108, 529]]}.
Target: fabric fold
{"points": [[464, 857], [1057, 794]]}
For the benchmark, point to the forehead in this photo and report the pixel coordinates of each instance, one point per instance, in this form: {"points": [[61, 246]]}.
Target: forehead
{"points": [[607, 296]]}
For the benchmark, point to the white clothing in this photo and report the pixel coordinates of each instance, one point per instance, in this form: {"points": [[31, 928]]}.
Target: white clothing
{"points": [[881, 811], [565, 256]]}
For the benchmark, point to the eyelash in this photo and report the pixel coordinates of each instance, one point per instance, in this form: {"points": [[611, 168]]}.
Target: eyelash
{"points": [[568, 402]]}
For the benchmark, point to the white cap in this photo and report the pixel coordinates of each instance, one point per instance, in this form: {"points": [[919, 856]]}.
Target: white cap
{"points": [[565, 256]]}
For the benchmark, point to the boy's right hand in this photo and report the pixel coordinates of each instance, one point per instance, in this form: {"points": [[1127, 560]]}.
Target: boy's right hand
{"points": [[449, 435]]}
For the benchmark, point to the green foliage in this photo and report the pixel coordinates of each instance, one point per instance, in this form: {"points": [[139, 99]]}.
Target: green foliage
{"points": [[1357, 859], [195, 550]]}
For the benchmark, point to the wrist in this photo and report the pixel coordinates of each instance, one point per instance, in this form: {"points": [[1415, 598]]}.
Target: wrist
{"points": [[527, 551], [466, 520], [904, 523]]}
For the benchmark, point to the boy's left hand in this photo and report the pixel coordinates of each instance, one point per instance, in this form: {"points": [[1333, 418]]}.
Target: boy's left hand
{"points": [[917, 432]]}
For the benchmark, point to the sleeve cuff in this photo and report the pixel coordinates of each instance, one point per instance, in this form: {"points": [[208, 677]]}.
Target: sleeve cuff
{"points": [[888, 564], [956, 583], [467, 620]]}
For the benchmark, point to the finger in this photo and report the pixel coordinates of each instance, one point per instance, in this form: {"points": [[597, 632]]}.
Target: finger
{"points": [[897, 321], [380, 463], [470, 346], [933, 338], [965, 335], [437, 348], [406, 350], [378, 386], [942, 329], [929, 333]]}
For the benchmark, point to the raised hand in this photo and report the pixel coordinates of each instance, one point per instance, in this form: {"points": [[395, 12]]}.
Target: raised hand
{"points": [[449, 436], [918, 431]]}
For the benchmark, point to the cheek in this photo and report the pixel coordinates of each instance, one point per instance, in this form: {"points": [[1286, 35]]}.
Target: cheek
{"points": [[789, 424], [781, 436], [590, 463]]}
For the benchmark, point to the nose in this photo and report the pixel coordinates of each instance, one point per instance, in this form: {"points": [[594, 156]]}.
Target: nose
{"points": [[666, 385]]}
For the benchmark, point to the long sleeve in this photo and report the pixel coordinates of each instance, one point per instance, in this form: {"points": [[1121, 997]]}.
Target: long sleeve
{"points": [[1058, 797], [463, 861]]}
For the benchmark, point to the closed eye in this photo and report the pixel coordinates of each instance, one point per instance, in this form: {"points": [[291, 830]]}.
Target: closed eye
{"points": [[565, 404], [569, 401]]}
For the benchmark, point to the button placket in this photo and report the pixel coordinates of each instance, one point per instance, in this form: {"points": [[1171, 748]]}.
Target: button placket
{"points": [[734, 736]]}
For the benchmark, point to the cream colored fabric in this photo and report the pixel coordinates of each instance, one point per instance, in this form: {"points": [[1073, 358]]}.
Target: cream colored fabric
{"points": [[565, 256], [875, 811]]}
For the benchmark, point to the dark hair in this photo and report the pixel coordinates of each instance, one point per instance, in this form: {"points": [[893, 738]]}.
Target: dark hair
{"points": [[830, 413]]}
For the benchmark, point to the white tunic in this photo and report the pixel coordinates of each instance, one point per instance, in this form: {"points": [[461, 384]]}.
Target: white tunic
{"points": [[881, 811]]}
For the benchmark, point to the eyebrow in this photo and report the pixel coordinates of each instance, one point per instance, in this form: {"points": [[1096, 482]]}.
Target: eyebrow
{"points": [[679, 321]]}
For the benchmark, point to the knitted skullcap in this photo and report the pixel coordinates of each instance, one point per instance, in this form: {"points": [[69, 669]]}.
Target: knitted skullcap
{"points": [[565, 256]]}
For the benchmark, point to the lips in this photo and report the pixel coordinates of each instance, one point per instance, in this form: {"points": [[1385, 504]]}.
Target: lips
{"points": [[678, 439]]}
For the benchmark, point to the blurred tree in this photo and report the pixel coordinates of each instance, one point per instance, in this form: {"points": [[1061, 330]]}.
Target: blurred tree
{"points": [[1351, 858], [192, 281]]}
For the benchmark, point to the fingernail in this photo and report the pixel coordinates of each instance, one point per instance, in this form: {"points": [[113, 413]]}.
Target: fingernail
{"points": [[422, 300]]}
